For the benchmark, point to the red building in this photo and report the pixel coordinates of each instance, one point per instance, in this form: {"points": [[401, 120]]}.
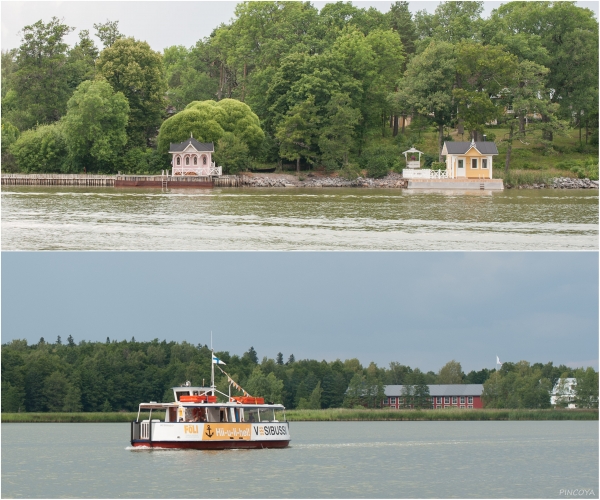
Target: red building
{"points": [[441, 396]]}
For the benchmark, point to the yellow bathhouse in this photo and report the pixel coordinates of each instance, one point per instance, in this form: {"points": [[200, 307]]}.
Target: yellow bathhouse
{"points": [[469, 160]]}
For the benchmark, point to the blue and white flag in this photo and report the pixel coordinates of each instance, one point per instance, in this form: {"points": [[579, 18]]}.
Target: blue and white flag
{"points": [[217, 361], [498, 361]]}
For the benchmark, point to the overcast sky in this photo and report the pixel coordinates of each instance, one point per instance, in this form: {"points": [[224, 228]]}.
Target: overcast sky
{"points": [[161, 24], [421, 309]]}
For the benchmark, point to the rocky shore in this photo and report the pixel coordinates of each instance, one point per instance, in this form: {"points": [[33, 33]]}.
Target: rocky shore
{"points": [[560, 183], [392, 180]]}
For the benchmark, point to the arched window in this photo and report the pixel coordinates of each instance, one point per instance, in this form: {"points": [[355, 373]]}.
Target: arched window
{"points": [[195, 160], [203, 160], [178, 161], [187, 160]]}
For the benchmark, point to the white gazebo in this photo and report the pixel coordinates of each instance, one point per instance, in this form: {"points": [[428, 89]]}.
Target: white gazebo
{"points": [[191, 157], [412, 163]]}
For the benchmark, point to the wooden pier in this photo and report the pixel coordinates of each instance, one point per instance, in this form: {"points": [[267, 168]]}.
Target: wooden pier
{"points": [[158, 181], [58, 180]]}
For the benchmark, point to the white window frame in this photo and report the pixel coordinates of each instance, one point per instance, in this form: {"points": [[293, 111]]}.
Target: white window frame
{"points": [[438, 400], [386, 401], [470, 406], [454, 400], [474, 161], [458, 162], [470, 400], [393, 401], [462, 400], [446, 400]]}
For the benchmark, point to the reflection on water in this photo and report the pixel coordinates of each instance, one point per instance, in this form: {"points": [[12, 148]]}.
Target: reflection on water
{"points": [[62, 218], [325, 460]]}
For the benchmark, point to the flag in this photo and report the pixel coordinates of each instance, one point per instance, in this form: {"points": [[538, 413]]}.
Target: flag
{"points": [[498, 361], [217, 361]]}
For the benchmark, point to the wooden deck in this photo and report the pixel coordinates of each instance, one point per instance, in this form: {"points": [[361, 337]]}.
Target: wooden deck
{"points": [[158, 181]]}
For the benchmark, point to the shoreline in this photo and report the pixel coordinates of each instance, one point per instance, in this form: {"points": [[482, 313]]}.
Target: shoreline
{"points": [[263, 180], [332, 415]]}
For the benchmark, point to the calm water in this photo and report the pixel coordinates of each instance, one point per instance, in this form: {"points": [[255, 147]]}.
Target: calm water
{"points": [[331, 459], [62, 218]]}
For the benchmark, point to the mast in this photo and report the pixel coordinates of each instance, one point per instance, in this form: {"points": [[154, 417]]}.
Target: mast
{"points": [[212, 366]]}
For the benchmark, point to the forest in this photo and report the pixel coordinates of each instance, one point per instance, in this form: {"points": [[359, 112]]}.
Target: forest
{"points": [[284, 84], [118, 375]]}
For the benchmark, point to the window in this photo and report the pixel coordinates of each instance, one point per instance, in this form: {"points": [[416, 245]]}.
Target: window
{"points": [[470, 400], [470, 406], [178, 161], [474, 163], [438, 400], [462, 400], [446, 400], [187, 160], [462, 406], [454, 398], [385, 401], [204, 160], [484, 163], [461, 163], [393, 401], [195, 160]]}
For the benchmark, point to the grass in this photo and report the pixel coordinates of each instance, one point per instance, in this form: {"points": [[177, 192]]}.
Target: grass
{"points": [[329, 415], [82, 417]]}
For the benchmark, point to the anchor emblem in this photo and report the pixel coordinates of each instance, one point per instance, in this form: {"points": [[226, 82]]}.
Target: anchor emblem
{"points": [[209, 433]]}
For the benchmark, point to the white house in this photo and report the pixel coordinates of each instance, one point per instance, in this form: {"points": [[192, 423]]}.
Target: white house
{"points": [[191, 157], [564, 391]]}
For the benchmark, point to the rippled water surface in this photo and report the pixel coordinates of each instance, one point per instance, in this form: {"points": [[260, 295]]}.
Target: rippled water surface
{"points": [[63, 218], [325, 460]]}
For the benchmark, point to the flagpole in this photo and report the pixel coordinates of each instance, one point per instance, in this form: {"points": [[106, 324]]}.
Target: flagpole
{"points": [[212, 366]]}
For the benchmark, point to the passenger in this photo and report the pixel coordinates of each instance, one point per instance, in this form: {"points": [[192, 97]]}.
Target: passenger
{"points": [[251, 417]]}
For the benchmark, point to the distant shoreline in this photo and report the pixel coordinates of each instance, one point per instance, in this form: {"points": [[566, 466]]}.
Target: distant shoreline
{"points": [[330, 415]]}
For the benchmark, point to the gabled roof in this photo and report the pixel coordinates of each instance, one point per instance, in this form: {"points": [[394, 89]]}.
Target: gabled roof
{"points": [[198, 146], [460, 148], [440, 390]]}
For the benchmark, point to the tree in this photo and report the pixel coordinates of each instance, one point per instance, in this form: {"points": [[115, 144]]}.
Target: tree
{"points": [[40, 82], [133, 68], [337, 132], [95, 124], [586, 390], [266, 386], [208, 121], [81, 60], [298, 132], [279, 359], [56, 387], [108, 32], [402, 23], [43, 149], [72, 399], [450, 373], [428, 85]]}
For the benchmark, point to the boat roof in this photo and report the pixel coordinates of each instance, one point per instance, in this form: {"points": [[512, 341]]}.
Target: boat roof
{"points": [[232, 404]]}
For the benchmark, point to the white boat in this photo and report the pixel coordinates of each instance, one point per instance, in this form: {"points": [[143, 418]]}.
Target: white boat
{"points": [[197, 420]]}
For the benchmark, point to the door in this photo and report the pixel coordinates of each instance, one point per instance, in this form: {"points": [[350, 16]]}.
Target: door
{"points": [[460, 168]]}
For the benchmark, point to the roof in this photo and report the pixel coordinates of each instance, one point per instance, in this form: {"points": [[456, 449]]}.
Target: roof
{"points": [[199, 146], [460, 148], [440, 390]]}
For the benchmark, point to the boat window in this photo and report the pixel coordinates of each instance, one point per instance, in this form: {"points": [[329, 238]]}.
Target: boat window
{"points": [[251, 415]]}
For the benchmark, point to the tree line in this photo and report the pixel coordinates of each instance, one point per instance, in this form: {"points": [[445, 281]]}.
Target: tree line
{"points": [[118, 375], [314, 87]]}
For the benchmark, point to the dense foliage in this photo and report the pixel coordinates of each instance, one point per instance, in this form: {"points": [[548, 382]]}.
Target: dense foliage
{"points": [[324, 87], [118, 375]]}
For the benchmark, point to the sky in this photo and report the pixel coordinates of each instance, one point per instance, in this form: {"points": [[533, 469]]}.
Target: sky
{"points": [[420, 309], [161, 24]]}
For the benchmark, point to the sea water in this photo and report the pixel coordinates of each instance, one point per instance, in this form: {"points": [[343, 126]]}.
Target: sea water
{"points": [[82, 218], [499, 459]]}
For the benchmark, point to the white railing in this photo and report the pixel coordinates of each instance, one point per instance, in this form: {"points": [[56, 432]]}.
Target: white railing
{"points": [[438, 174], [413, 164], [202, 170], [424, 173]]}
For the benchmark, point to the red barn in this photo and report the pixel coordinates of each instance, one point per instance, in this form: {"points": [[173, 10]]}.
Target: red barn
{"points": [[441, 396]]}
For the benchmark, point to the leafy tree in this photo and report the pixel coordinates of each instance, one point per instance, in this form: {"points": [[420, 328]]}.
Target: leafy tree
{"points": [[232, 154], [401, 21], [72, 399], [450, 373], [266, 386], [95, 124], [134, 69], [40, 82], [108, 32], [81, 60], [279, 358], [43, 149], [337, 131], [586, 390], [56, 387]]}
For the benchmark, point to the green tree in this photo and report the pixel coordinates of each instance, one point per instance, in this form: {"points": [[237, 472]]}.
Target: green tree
{"points": [[40, 82], [450, 373], [134, 69], [232, 154], [298, 132], [586, 390], [56, 387], [266, 386], [81, 60], [72, 399], [108, 32], [337, 131], [95, 124], [401, 21], [43, 150]]}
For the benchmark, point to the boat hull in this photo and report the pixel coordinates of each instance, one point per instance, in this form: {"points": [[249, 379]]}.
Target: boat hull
{"points": [[211, 445]]}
